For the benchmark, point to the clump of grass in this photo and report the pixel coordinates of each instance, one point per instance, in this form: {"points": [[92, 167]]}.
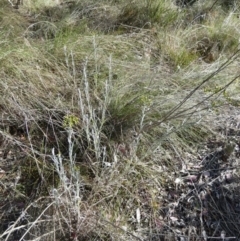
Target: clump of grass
{"points": [[146, 14], [12, 24]]}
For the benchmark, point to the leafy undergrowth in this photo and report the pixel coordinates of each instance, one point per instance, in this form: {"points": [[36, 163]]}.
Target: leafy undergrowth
{"points": [[119, 120]]}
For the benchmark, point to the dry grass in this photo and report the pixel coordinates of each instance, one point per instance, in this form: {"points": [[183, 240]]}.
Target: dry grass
{"points": [[103, 107]]}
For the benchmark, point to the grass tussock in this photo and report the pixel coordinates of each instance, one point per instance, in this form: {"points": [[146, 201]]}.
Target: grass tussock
{"points": [[115, 120]]}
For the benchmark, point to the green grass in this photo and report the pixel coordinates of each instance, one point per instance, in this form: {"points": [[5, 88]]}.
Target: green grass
{"points": [[100, 103]]}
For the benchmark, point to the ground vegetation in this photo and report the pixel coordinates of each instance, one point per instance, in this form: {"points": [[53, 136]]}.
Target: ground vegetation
{"points": [[119, 120]]}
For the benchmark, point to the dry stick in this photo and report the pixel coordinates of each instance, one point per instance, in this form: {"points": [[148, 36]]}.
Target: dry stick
{"points": [[218, 92], [207, 98], [13, 227], [11, 2], [223, 66], [174, 109], [212, 5], [36, 221]]}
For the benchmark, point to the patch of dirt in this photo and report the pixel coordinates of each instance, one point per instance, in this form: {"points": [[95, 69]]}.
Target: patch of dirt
{"points": [[203, 202]]}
